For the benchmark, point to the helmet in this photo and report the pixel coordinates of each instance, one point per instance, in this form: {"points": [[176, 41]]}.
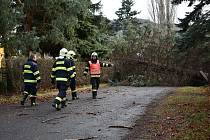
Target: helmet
{"points": [[71, 55], [63, 52], [94, 54]]}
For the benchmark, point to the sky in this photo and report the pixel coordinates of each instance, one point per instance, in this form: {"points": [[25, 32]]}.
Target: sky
{"points": [[110, 6]]}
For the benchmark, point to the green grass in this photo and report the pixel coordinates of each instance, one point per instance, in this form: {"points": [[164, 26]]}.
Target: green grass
{"points": [[183, 115]]}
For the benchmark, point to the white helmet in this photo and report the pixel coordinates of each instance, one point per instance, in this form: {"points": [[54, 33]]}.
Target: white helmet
{"points": [[71, 55], [94, 54], [63, 52]]}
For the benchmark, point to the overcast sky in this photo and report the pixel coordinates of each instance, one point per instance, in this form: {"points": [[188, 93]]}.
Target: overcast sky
{"points": [[110, 6]]}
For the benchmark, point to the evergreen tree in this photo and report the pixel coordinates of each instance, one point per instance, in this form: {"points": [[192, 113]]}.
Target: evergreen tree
{"points": [[49, 25], [10, 17], [195, 26], [192, 41], [126, 12], [125, 15]]}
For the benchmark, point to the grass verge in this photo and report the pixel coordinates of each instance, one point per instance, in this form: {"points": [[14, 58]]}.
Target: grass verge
{"points": [[45, 95], [182, 115]]}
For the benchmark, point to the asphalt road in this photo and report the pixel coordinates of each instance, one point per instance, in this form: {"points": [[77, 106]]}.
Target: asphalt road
{"points": [[103, 118]]}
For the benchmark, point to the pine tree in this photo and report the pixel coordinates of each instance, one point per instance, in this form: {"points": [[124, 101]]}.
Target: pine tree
{"points": [[126, 12], [193, 40], [195, 27], [125, 16]]}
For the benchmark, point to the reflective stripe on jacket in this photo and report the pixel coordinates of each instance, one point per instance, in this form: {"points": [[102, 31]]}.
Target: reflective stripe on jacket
{"points": [[31, 73], [62, 70]]}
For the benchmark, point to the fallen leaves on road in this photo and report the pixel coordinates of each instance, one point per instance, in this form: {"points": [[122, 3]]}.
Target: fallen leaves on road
{"points": [[183, 114]]}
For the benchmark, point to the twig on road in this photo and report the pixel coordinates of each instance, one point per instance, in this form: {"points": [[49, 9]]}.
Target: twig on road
{"points": [[53, 119], [91, 113], [88, 138], [23, 114], [120, 126]]}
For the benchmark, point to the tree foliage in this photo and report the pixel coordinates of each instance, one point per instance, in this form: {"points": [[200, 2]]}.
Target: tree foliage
{"points": [[126, 12], [192, 41], [49, 25], [194, 16], [10, 17], [195, 26]]}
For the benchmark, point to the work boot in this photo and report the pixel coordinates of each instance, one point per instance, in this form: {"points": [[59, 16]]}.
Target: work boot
{"points": [[58, 107], [94, 93], [33, 101], [63, 103], [74, 96], [25, 95], [57, 104], [22, 102]]}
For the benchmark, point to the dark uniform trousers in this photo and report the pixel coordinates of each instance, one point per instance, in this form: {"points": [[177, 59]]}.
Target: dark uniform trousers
{"points": [[31, 78], [61, 97], [95, 81], [61, 73], [31, 91], [73, 87], [62, 88]]}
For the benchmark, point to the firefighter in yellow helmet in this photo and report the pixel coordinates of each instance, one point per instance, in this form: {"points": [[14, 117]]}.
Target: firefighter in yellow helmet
{"points": [[94, 68], [61, 73], [71, 55]]}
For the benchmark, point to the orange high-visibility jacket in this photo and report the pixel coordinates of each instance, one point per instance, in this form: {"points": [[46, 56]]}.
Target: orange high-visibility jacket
{"points": [[95, 68]]}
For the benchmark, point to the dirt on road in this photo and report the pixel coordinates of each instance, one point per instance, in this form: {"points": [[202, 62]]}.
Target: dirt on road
{"points": [[111, 116]]}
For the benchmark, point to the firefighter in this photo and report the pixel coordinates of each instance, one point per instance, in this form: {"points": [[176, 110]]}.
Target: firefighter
{"points": [[31, 78], [94, 67], [71, 55], [61, 73]]}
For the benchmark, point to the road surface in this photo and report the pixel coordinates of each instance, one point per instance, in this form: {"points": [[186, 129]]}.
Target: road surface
{"points": [[103, 118]]}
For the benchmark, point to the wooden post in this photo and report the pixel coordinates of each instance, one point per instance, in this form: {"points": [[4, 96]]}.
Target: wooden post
{"points": [[3, 74]]}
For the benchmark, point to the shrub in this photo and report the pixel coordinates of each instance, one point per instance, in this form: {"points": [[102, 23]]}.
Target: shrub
{"points": [[14, 80]]}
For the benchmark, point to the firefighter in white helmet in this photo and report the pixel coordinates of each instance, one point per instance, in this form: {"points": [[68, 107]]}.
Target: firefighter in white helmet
{"points": [[61, 73], [94, 67], [71, 55]]}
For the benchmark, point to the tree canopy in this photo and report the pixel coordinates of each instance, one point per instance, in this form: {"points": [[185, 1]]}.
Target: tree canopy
{"points": [[195, 27], [192, 41], [41, 25], [126, 12]]}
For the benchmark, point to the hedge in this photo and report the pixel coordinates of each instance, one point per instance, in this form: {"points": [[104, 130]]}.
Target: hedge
{"points": [[14, 80]]}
